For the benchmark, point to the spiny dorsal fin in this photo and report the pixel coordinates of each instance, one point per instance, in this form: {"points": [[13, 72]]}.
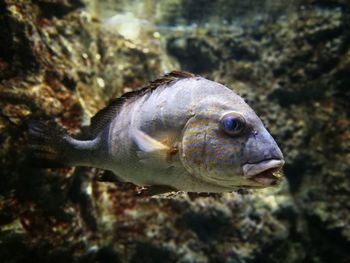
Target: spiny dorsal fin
{"points": [[105, 115], [169, 77]]}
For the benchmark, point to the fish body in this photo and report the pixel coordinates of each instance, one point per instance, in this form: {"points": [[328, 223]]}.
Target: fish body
{"points": [[182, 131]]}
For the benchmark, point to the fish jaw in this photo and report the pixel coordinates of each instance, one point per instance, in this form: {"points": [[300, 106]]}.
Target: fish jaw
{"points": [[265, 173]]}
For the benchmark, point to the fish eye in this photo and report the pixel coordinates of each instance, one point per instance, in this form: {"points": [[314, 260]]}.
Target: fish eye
{"points": [[233, 123]]}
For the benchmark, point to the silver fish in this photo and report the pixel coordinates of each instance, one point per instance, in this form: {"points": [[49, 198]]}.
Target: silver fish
{"points": [[181, 132]]}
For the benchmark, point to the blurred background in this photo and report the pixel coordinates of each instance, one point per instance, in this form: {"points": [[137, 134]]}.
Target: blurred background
{"points": [[65, 59]]}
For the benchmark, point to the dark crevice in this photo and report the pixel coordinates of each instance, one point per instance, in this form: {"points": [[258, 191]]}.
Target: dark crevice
{"points": [[58, 9]]}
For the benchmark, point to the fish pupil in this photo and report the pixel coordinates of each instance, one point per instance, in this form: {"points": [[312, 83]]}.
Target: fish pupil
{"points": [[231, 124]]}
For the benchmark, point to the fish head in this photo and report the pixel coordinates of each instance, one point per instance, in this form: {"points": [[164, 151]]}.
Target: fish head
{"points": [[225, 143]]}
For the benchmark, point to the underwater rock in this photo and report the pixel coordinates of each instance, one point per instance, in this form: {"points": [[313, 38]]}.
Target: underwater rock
{"points": [[58, 62], [296, 76]]}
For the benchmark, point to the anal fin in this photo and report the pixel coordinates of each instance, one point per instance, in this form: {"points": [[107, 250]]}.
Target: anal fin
{"points": [[155, 190], [107, 176]]}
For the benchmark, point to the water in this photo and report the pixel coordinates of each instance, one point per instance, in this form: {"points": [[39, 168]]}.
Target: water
{"points": [[63, 60]]}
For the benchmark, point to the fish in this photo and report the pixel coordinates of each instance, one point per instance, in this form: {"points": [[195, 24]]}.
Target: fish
{"points": [[181, 132]]}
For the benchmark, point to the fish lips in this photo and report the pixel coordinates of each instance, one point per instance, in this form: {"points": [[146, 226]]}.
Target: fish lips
{"points": [[265, 173]]}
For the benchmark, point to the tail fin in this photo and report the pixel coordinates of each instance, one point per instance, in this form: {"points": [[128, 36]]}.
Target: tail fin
{"points": [[49, 145]]}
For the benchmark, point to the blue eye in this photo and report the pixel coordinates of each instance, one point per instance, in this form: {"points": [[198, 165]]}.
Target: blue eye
{"points": [[233, 123]]}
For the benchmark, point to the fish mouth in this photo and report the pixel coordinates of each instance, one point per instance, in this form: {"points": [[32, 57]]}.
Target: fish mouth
{"points": [[265, 173]]}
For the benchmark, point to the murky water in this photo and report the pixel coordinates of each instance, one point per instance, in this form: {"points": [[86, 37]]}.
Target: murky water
{"points": [[64, 60]]}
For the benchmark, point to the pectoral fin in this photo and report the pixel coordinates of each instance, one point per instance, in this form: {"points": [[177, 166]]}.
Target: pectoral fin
{"points": [[151, 151]]}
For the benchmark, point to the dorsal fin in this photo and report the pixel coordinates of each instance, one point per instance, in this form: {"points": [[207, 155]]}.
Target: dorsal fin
{"points": [[105, 115]]}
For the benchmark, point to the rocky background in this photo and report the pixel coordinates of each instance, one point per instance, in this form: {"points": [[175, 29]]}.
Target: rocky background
{"points": [[62, 60]]}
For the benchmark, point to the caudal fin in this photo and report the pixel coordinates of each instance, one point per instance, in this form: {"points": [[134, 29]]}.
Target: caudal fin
{"points": [[49, 145]]}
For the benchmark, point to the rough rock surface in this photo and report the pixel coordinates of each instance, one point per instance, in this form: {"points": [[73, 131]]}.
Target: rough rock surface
{"points": [[57, 62], [297, 71]]}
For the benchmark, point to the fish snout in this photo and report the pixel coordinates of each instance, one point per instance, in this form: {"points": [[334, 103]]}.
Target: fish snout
{"points": [[267, 172], [263, 159]]}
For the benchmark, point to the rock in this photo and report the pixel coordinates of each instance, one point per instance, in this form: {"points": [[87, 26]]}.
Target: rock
{"points": [[58, 61]]}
